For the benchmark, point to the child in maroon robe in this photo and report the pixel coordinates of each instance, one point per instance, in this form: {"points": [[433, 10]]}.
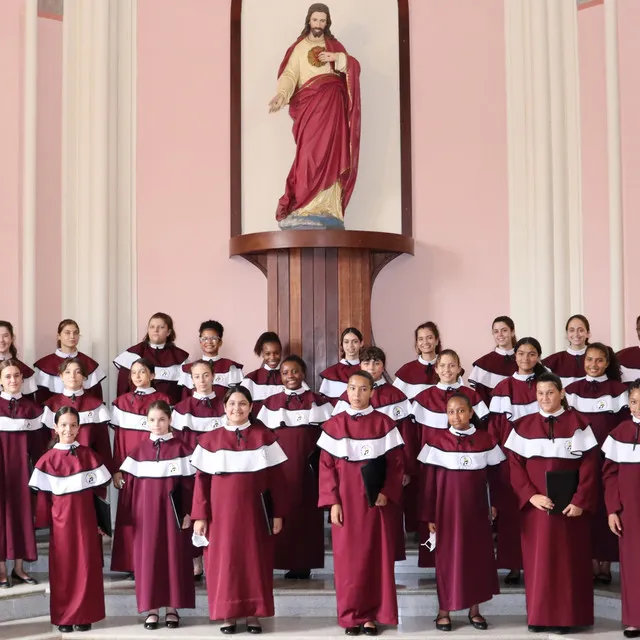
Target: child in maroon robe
{"points": [[621, 476], [22, 441], [335, 377], [364, 537], [568, 365], [161, 479], [265, 381], [295, 415], [226, 373], [629, 359], [604, 401], [462, 468], [556, 548], [94, 415], [158, 347], [67, 477], [420, 374], [238, 466], [130, 428], [48, 368], [8, 351], [497, 365]]}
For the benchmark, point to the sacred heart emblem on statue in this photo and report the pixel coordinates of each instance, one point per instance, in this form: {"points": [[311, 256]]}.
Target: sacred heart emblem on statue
{"points": [[314, 56]]}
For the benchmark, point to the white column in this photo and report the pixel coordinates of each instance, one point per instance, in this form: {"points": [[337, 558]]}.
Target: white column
{"points": [[545, 229], [29, 186], [614, 156]]}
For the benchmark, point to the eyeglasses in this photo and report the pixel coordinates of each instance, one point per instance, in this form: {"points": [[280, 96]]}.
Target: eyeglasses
{"points": [[207, 339]]}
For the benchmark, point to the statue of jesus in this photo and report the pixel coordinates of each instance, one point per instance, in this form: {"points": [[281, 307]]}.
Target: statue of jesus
{"points": [[320, 82]]}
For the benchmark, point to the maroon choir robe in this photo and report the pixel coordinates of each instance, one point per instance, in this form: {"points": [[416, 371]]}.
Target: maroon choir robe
{"points": [[226, 373], [48, 374], [21, 442], [568, 365], [556, 550], [429, 409], [167, 360], [389, 400], [605, 404], [335, 378], [129, 422], [94, 421], [491, 369], [621, 477], [29, 384], [512, 399], [195, 415], [629, 360], [162, 552], [235, 466], [414, 377], [462, 478], [364, 546], [66, 478], [263, 383], [295, 416]]}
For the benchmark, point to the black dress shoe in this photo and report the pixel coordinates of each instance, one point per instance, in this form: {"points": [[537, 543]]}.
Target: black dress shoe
{"points": [[298, 575], [535, 628], [172, 620], [603, 578], [82, 627], [352, 631], [443, 626], [130, 576], [254, 628], [65, 628], [16, 579], [370, 631], [478, 624], [150, 624], [197, 577], [5, 584], [512, 579], [560, 630], [631, 633], [229, 629]]}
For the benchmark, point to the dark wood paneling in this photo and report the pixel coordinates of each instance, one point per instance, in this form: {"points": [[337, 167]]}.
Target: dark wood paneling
{"points": [[406, 170], [319, 315], [272, 291], [332, 325], [284, 309], [295, 302], [235, 123], [308, 309]]}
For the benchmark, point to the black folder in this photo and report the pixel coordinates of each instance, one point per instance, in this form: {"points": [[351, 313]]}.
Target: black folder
{"points": [[175, 498], [561, 487], [267, 509], [374, 475], [314, 462], [103, 514]]}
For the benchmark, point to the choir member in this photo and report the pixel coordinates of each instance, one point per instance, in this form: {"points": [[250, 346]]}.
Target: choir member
{"points": [[364, 576], [239, 474], [93, 414], [21, 444], [335, 377], [603, 399], [621, 476], [499, 364], [265, 381], [462, 477], [420, 374], [513, 398], [628, 358], [48, 368], [568, 365], [130, 428], [8, 351], [161, 492], [556, 549], [159, 348], [226, 373], [67, 479], [295, 415]]}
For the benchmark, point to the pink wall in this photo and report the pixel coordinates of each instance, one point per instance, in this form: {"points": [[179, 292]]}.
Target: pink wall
{"points": [[11, 54], [49, 183], [461, 222]]}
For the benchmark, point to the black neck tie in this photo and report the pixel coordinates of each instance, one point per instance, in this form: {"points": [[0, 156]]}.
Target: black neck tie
{"points": [[357, 416], [13, 407], [551, 422], [272, 376], [72, 452], [157, 444]]}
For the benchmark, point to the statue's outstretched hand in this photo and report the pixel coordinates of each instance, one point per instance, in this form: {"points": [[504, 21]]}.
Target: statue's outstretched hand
{"points": [[276, 103]]}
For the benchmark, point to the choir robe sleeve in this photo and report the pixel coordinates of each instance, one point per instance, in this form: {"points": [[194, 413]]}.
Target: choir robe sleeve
{"points": [[43, 510], [496, 475], [279, 492], [187, 484], [329, 482], [427, 507], [586, 497], [37, 442], [410, 433], [102, 445], [520, 481], [201, 504], [392, 488], [610, 478], [499, 427], [126, 501]]}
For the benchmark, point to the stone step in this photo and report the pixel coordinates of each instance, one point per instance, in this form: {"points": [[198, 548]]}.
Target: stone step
{"points": [[288, 628]]}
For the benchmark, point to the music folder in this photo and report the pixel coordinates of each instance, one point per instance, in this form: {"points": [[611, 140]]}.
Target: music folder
{"points": [[267, 509], [175, 498], [374, 475], [103, 514], [561, 487]]}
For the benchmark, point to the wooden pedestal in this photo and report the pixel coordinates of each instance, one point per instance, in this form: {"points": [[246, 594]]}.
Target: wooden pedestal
{"points": [[319, 282]]}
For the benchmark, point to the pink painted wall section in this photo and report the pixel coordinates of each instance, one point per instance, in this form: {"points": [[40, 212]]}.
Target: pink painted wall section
{"points": [[459, 275], [595, 188], [629, 49], [11, 69], [183, 178], [49, 183]]}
